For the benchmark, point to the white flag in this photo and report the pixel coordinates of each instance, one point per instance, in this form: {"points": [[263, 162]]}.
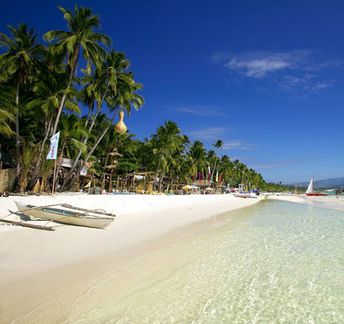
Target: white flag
{"points": [[54, 142], [83, 170]]}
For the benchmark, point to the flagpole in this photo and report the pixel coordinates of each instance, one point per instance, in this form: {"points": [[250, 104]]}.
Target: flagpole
{"points": [[54, 178], [52, 155]]}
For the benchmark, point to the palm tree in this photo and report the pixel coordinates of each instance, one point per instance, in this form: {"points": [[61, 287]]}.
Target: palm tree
{"points": [[125, 100], [18, 64], [72, 131], [225, 168], [118, 89], [48, 91], [167, 143], [81, 38], [104, 82], [218, 145], [196, 157]]}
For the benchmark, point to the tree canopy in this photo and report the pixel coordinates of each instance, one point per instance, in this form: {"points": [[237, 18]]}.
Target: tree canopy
{"points": [[46, 88]]}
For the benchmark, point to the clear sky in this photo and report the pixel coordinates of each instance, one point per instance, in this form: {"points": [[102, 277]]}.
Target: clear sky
{"points": [[266, 77]]}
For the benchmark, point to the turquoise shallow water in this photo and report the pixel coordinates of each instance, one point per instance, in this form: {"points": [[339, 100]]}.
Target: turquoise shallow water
{"points": [[275, 262]]}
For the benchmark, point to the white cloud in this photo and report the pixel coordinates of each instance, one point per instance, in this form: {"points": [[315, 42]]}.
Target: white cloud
{"points": [[261, 64], [297, 69], [320, 86], [215, 133], [210, 133], [325, 65], [199, 110], [237, 145], [275, 165]]}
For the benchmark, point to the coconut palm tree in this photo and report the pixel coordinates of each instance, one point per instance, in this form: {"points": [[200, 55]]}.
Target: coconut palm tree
{"points": [[167, 143], [196, 157], [47, 93], [225, 169], [81, 38], [124, 100], [17, 65], [99, 86], [218, 145], [72, 132]]}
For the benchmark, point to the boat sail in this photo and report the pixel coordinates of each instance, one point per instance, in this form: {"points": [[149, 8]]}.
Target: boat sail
{"points": [[310, 190]]}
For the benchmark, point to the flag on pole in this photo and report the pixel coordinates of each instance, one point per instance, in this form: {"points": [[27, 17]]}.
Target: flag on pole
{"points": [[54, 142]]}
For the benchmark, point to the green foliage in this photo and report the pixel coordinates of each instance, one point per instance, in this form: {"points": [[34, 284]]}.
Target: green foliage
{"points": [[6, 119]]}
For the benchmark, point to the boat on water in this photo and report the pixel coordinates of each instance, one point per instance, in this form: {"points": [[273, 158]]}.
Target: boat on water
{"points": [[310, 190], [68, 214]]}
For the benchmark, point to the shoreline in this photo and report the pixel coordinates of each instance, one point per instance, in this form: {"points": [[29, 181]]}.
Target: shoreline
{"points": [[38, 266], [47, 273], [330, 202]]}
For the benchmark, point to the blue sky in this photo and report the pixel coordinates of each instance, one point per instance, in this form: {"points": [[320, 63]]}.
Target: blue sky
{"points": [[266, 77]]}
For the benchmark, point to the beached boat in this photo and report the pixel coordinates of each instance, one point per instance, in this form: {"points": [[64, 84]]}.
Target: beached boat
{"points": [[245, 195], [67, 214], [310, 190]]}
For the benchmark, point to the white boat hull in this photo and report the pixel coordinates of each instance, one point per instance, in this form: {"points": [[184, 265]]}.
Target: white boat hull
{"points": [[66, 215], [245, 195]]}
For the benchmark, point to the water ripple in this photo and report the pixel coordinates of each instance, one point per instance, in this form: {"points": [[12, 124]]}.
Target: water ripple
{"points": [[271, 263]]}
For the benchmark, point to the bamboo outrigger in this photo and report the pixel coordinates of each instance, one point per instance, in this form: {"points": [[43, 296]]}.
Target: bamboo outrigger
{"points": [[25, 224]]}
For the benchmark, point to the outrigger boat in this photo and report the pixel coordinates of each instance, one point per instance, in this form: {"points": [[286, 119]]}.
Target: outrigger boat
{"points": [[310, 190], [67, 214]]}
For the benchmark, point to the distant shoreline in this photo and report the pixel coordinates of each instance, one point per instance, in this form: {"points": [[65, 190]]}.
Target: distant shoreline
{"points": [[331, 202]]}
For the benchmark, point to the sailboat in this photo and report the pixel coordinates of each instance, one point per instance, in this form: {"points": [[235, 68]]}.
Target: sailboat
{"points": [[310, 190]]}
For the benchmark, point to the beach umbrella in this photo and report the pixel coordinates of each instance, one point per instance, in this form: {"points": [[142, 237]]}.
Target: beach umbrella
{"points": [[187, 187], [209, 189]]}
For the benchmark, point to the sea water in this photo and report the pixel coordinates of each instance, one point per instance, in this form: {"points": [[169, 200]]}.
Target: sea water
{"points": [[275, 262]]}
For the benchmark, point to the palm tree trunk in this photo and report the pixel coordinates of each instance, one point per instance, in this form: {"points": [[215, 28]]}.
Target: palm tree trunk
{"points": [[91, 151], [17, 133], [60, 159], [161, 181], [40, 156], [63, 99], [76, 161], [98, 141]]}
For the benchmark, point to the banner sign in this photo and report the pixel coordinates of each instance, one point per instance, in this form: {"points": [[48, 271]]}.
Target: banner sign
{"points": [[54, 142]]}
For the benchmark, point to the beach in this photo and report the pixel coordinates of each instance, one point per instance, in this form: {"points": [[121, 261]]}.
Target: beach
{"points": [[38, 266], [48, 273]]}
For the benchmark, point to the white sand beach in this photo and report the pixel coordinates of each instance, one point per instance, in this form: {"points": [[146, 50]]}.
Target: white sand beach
{"points": [[43, 273], [35, 264]]}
